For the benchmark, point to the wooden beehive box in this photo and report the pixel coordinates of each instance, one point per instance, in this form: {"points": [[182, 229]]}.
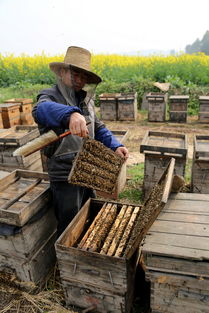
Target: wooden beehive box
{"points": [[127, 106], [27, 226], [156, 106], [10, 114], [22, 193], [98, 252], [176, 255], [1, 121], [12, 138], [96, 167], [178, 106], [108, 106], [25, 109], [159, 148], [204, 109], [200, 165], [121, 136]]}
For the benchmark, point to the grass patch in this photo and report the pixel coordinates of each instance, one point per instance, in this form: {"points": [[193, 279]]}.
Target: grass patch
{"points": [[21, 91], [133, 191]]}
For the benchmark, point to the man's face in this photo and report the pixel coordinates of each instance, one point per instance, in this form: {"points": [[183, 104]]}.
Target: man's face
{"points": [[74, 79]]}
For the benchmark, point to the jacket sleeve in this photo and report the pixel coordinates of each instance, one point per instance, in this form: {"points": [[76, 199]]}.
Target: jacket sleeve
{"points": [[105, 136], [53, 114]]}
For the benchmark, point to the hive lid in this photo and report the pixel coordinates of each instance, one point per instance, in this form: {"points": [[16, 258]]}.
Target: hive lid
{"points": [[9, 106], [19, 100], [164, 143]]}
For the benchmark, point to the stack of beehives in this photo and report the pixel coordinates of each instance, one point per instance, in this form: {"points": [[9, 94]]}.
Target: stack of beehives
{"points": [[156, 106], [204, 109], [25, 109], [11, 139], [27, 226], [118, 106], [176, 255], [178, 108]]}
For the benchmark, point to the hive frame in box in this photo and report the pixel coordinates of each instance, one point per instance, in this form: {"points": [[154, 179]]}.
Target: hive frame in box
{"points": [[91, 278]]}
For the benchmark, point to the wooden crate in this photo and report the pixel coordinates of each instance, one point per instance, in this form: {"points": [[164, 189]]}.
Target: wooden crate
{"points": [[1, 121], [12, 138], [156, 107], [10, 114], [92, 278], [127, 106], [108, 106], [204, 109], [34, 268], [25, 109], [159, 148], [22, 194], [200, 165], [176, 256], [178, 106], [23, 242], [121, 136], [18, 135]]}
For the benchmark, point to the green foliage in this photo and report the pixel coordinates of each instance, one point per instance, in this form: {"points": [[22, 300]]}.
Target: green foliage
{"points": [[199, 45], [133, 190], [21, 90]]}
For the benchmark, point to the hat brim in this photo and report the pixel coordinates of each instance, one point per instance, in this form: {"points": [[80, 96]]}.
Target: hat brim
{"points": [[92, 78]]}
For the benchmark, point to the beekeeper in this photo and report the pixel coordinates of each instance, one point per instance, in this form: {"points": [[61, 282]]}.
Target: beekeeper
{"points": [[69, 105]]}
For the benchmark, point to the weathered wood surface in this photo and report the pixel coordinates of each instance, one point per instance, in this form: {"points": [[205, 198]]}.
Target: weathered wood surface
{"points": [[200, 176], [19, 135], [178, 116], [36, 267], [154, 166], [108, 106], [121, 135], [163, 142], [87, 296], [105, 272], [203, 117], [174, 293], [127, 106], [30, 237], [25, 207], [201, 146], [180, 233]]}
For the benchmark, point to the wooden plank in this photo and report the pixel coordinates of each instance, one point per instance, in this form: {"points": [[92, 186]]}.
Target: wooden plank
{"points": [[180, 228], [187, 206], [178, 240], [182, 217], [189, 196], [175, 252]]}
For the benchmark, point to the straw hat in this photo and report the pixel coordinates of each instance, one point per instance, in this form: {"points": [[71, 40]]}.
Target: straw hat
{"points": [[80, 60]]}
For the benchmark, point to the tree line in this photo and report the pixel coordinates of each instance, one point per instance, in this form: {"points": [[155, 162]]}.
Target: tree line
{"points": [[199, 45]]}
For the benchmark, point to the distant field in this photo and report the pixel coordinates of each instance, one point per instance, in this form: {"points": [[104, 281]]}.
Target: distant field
{"points": [[187, 74]]}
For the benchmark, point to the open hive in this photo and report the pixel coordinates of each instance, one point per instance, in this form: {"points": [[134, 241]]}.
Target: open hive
{"points": [[98, 252], [96, 166], [10, 140]]}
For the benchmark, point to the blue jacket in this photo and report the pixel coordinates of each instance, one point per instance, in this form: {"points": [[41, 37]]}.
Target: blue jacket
{"points": [[52, 112]]}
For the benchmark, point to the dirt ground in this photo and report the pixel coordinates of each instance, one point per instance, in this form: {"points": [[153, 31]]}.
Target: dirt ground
{"points": [[137, 129]]}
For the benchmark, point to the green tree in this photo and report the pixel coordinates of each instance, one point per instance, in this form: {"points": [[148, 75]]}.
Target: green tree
{"points": [[205, 43], [194, 48]]}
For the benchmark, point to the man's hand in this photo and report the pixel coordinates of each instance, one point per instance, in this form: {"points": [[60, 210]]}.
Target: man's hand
{"points": [[123, 152], [77, 125]]}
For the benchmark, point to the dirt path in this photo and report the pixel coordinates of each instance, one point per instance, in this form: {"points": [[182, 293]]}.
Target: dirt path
{"points": [[137, 129]]}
